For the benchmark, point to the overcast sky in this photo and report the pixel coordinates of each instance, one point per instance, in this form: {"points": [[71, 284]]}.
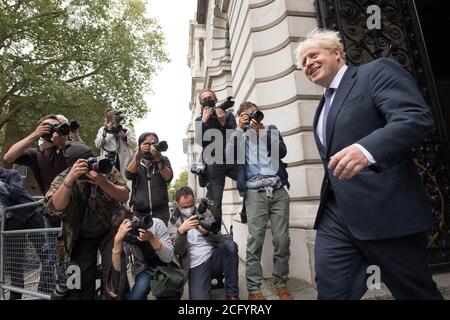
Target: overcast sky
{"points": [[169, 115]]}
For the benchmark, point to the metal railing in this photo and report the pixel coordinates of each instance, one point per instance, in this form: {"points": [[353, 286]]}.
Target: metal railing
{"points": [[27, 256]]}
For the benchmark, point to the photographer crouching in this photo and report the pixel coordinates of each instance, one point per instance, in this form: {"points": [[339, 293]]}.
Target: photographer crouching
{"points": [[146, 243], [115, 140], [202, 250], [150, 173], [85, 195]]}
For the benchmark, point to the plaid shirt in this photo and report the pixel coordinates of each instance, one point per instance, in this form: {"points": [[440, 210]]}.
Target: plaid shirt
{"points": [[100, 201]]}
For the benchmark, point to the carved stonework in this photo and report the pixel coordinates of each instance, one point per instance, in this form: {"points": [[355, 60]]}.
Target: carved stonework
{"points": [[399, 38]]}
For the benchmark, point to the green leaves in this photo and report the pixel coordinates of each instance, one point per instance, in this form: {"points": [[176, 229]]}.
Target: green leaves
{"points": [[68, 56]]}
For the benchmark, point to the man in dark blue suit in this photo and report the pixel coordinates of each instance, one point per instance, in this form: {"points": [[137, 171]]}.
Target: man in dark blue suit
{"points": [[374, 209]]}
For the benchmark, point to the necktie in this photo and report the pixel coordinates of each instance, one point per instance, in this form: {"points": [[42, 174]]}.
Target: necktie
{"points": [[326, 109]]}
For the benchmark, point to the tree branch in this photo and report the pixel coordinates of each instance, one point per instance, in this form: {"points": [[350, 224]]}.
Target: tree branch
{"points": [[12, 112], [89, 74], [7, 95], [13, 34]]}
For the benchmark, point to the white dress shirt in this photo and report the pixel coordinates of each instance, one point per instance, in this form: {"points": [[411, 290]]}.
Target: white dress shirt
{"points": [[335, 85]]}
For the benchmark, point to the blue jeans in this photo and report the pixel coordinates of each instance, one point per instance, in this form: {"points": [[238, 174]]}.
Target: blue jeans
{"points": [[141, 288]]}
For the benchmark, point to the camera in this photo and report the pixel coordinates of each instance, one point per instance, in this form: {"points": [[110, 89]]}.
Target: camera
{"points": [[200, 170], [210, 225], [144, 222], [116, 126], [229, 103], [111, 156], [160, 146], [74, 126], [62, 129], [258, 116], [101, 166]]}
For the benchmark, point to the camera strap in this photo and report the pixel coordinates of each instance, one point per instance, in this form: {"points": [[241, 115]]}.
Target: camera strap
{"points": [[135, 184]]}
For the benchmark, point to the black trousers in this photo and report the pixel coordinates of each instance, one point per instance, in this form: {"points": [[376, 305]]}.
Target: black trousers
{"points": [[15, 252], [85, 255], [216, 183], [342, 262]]}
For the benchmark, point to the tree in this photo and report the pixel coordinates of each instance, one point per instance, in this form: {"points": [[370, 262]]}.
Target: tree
{"points": [[181, 181], [76, 57]]}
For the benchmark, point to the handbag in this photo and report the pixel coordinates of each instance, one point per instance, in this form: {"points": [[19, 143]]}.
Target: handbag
{"points": [[168, 280]]}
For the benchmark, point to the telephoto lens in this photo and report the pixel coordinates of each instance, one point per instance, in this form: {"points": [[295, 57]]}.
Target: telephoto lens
{"points": [[258, 116], [62, 129]]}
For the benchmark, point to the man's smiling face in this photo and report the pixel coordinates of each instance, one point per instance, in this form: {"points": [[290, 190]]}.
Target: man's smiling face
{"points": [[320, 65]]}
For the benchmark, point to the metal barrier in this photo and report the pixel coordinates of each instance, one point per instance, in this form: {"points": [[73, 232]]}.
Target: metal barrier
{"points": [[27, 257]]}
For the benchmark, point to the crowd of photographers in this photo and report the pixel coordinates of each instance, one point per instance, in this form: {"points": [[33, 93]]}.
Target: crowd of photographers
{"points": [[116, 205]]}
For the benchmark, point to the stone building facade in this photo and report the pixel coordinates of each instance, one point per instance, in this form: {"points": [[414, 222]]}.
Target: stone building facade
{"points": [[246, 49]]}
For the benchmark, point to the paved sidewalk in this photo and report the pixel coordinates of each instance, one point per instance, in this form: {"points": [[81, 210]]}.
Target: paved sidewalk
{"points": [[302, 290]]}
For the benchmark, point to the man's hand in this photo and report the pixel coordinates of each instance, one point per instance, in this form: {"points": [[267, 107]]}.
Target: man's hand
{"points": [[96, 178], [78, 169], [206, 114], [145, 235], [243, 120], [257, 126], [122, 134], [43, 128], [221, 116], [202, 230], [188, 224], [348, 162]]}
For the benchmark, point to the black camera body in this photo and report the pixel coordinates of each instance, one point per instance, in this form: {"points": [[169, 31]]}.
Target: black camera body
{"points": [[144, 222], [62, 129], [116, 125], [258, 116], [210, 225], [199, 169], [111, 156], [161, 146], [116, 128], [74, 126], [101, 166], [227, 104]]}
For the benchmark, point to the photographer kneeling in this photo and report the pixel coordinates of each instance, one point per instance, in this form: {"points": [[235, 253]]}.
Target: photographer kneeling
{"points": [[84, 196], [150, 173], [202, 250], [145, 241]]}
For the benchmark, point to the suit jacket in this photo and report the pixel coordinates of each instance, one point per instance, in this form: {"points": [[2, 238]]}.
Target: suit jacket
{"points": [[378, 106]]}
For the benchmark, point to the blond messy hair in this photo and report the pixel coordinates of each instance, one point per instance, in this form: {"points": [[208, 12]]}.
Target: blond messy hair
{"points": [[323, 38]]}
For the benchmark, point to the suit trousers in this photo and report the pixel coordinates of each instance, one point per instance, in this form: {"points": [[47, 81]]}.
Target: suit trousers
{"points": [[342, 261]]}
